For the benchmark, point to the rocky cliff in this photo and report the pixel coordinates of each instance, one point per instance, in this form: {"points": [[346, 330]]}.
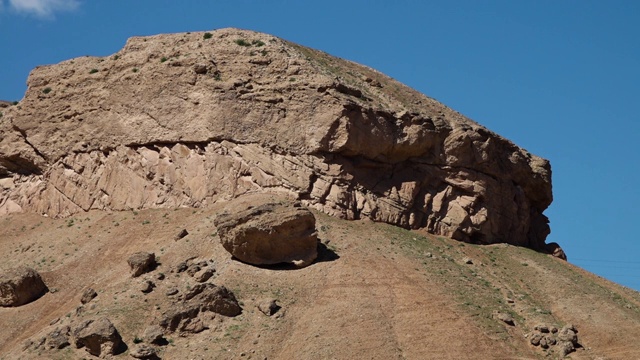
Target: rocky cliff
{"points": [[197, 118]]}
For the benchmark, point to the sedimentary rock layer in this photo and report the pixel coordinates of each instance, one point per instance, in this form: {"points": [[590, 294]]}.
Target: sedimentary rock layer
{"points": [[189, 120]]}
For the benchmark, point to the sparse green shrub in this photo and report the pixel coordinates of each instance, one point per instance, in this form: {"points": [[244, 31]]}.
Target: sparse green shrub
{"points": [[163, 59], [137, 340], [258, 43], [217, 77], [207, 35], [135, 70], [46, 90], [14, 103], [116, 57], [242, 42], [0, 115], [93, 71]]}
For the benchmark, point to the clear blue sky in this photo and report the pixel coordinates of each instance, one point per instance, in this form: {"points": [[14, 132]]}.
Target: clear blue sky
{"points": [[559, 78]]}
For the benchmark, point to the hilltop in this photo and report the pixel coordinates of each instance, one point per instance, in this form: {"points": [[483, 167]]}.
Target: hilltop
{"points": [[121, 177]]}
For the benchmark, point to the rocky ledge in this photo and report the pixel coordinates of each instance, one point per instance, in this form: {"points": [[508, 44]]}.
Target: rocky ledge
{"points": [[196, 118]]}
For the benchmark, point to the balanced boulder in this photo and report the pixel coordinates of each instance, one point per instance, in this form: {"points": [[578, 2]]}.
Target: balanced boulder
{"points": [[263, 229], [20, 286]]}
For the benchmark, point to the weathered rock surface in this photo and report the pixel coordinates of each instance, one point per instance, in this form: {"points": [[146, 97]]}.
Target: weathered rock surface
{"points": [[141, 262], [184, 315], [143, 351], [99, 337], [58, 338], [88, 295], [264, 229], [219, 119], [20, 286]]}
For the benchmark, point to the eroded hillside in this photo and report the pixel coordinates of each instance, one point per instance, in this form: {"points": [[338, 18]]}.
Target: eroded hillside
{"points": [[376, 291]]}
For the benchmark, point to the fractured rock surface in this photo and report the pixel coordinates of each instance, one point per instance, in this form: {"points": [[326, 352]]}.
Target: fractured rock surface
{"points": [[99, 337], [271, 117]]}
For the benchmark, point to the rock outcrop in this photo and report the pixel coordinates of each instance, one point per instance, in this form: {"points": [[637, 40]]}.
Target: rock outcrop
{"points": [[20, 286], [184, 316], [262, 229], [190, 120], [99, 337]]}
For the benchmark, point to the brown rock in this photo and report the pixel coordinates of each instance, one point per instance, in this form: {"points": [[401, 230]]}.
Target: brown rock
{"points": [[58, 339], [555, 250], [268, 307], [200, 68], [20, 285], [568, 334], [183, 316], [566, 347], [217, 299], [88, 295], [195, 267], [344, 146], [542, 328], [141, 262], [178, 317], [181, 234], [99, 337], [154, 334], [204, 274], [505, 318], [142, 351], [147, 286], [535, 339], [264, 229]]}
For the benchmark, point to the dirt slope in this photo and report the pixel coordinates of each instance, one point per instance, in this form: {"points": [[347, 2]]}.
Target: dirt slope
{"points": [[377, 292]]}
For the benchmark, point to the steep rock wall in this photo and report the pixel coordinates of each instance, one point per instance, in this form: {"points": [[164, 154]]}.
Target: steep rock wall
{"points": [[180, 120]]}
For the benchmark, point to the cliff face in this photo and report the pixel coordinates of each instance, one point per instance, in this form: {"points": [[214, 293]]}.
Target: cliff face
{"points": [[193, 119]]}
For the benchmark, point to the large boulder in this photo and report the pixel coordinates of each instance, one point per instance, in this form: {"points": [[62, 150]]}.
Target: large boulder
{"points": [[270, 117], [20, 285], [264, 229]]}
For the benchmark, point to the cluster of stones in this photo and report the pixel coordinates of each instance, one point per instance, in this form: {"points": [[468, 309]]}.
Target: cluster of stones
{"points": [[564, 340], [99, 336]]}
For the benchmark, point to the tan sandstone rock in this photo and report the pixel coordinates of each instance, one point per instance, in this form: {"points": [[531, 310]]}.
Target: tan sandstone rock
{"points": [[218, 120], [264, 229]]}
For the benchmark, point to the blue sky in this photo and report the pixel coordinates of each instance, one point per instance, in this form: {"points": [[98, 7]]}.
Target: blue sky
{"points": [[559, 78]]}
